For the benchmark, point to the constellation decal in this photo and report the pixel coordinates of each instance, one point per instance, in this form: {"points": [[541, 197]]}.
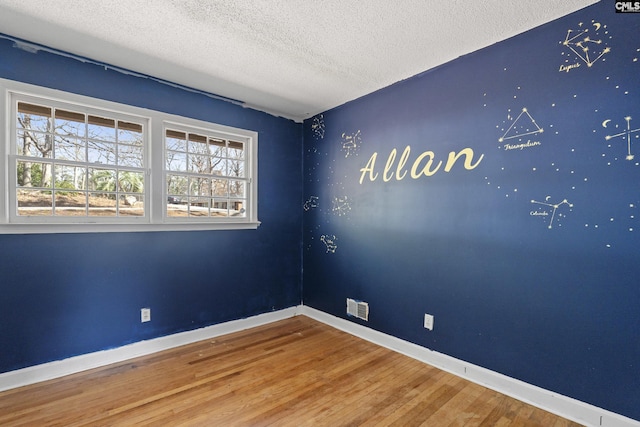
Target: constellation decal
{"points": [[626, 133], [519, 180], [500, 177], [330, 242], [312, 203], [586, 48], [351, 143], [341, 205], [317, 126], [523, 125], [554, 208]]}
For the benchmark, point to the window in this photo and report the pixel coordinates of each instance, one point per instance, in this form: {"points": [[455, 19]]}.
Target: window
{"points": [[205, 174], [80, 164], [76, 165]]}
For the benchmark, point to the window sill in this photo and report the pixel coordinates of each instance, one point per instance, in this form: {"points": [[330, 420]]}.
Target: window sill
{"points": [[122, 228]]}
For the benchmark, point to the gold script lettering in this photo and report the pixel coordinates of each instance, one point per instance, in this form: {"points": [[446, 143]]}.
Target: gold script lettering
{"points": [[468, 153], [417, 169], [387, 167], [426, 170], [402, 162], [369, 168]]}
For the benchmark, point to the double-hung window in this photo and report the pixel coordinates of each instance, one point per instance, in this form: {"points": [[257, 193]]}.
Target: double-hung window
{"points": [[73, 163], [205, 173]]}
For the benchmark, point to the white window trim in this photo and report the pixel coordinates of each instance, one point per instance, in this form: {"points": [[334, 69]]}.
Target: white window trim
{"points": [[155, 192]]}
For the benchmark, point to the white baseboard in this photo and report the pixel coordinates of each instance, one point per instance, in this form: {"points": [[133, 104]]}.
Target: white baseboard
{"points": [[558, 404], [563, 406], [72, 365]]}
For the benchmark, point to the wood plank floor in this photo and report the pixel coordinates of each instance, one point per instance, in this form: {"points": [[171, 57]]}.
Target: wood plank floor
{"points": [[296, 372]]}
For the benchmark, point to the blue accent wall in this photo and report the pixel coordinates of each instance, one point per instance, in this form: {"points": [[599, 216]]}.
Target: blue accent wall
{"points": [[528, 254], [68, 294], [499, 192]]}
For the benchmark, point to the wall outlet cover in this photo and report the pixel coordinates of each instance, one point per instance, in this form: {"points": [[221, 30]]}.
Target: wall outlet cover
{"points": [[145, 315], [428, 321]]}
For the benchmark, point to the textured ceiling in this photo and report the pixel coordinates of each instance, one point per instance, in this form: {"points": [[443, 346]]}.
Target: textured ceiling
{"points": [[292, 58]]}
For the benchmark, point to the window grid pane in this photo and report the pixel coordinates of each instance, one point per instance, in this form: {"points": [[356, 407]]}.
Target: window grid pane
{"points": [[77, 142], [204, 188]]}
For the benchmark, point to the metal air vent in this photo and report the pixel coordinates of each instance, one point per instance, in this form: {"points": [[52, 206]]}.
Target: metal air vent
{"points": [[358, 309]]}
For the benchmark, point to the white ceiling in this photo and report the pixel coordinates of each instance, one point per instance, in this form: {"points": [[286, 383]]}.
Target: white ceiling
{"points": [[292, 58]]}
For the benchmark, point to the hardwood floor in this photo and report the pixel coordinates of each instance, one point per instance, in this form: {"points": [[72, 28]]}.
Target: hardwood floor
{"points": [[296, 372]]}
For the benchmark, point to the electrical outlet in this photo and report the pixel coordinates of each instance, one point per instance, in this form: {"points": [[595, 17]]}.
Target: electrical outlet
{"points": [[428, 321], [145, 315]]}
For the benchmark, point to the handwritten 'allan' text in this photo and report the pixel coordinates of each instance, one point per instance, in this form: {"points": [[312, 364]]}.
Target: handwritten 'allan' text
{"points": [[423, 165]]}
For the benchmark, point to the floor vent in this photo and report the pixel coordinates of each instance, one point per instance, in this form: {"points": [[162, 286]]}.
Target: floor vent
{"points": [[358, 309]]}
